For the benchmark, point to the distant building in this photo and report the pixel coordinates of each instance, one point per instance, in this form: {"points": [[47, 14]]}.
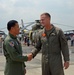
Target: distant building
{"points": [[2, 35], [68, 34]]}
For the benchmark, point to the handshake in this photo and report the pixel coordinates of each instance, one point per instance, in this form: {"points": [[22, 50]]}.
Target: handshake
{"points": [[30, 56]]}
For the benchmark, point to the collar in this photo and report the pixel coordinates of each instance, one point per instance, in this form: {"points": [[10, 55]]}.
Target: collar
{"points": [[50, 31], [12, 36], [44, 30]]}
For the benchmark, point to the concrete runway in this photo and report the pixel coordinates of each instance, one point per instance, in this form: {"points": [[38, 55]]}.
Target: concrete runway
{"points": [[34, 66]]}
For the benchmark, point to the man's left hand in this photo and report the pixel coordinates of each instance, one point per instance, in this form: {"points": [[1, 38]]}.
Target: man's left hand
{"points": [[66, 64]]}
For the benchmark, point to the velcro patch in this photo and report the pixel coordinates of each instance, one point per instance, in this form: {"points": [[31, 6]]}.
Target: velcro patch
{"points": [[11, 43]]}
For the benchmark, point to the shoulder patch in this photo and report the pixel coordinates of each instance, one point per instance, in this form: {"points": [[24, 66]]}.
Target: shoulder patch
{"points": [[11, 43]]}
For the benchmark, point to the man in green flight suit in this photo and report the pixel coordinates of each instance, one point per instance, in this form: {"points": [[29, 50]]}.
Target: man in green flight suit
{"points": [[51, 40], [13, 51]]}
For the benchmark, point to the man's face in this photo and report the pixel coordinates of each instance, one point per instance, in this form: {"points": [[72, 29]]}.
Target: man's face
{"points": [[16, 29], [45, 20]]}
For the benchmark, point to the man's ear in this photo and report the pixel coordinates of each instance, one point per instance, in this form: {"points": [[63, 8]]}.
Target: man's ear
{"points": [[12, 28]]}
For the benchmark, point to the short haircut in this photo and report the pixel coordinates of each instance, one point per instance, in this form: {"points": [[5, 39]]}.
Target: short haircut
{"points": [[10, 24], [47, 14]]}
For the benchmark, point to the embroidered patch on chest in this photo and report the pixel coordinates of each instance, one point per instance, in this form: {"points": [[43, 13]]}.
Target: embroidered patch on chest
{"points": [[11, 43], [53, 34]]}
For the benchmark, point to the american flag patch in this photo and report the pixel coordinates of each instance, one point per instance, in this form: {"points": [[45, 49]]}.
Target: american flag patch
{"points": [[11, 43]]}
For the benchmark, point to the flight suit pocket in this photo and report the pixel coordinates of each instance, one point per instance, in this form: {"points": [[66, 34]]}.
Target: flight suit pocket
{"points": [[54, 39]]}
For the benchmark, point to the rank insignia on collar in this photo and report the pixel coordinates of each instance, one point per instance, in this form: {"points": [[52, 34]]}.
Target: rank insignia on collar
{"points": [[11, 43]]}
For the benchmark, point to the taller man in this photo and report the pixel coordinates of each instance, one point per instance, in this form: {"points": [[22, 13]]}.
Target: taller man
{"points": [[51, 40]]}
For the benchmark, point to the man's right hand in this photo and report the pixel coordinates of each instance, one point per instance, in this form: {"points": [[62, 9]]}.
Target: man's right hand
{"points": [[30, 56]]}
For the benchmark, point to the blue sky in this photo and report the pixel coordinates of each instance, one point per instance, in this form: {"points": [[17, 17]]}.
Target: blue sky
{"points": [[62, 11]]}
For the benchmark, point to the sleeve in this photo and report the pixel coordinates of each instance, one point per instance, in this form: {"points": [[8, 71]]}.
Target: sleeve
{"points": [[37, 47], [64, 46], [14, 55]]}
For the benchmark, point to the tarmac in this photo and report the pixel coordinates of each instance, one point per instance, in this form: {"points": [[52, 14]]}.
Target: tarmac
{"points": [[33, 71], [37, 71]]}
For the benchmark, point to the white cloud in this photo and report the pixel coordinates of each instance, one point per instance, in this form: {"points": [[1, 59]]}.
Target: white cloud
{"points": [[62, 11]]}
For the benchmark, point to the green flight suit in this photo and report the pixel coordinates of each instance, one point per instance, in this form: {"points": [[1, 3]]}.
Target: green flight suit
{"points": [[14, 60], [52, 44]]}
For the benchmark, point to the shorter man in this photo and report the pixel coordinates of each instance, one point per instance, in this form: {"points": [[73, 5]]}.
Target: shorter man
{"points": [[13, 51]]}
